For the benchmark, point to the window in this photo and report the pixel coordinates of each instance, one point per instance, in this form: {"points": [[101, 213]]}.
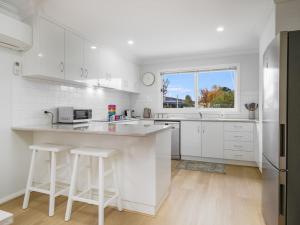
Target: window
{"points": [[201, 89], [178, 90]]}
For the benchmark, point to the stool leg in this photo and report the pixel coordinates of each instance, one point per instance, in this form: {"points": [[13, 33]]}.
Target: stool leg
{"points": [[52, 184], [101, 193], [90, 176], [72, 188], [116, 183], [29, 180]]}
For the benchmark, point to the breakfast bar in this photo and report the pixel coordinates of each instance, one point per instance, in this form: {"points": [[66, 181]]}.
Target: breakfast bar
{"points": [[144, 162]]}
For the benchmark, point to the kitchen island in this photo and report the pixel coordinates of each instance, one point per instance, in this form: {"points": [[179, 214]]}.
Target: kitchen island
{"points": [[144, 162]]}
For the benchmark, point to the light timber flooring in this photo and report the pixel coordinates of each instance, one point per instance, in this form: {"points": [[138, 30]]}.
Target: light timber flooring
{"points": [[196, 198]]}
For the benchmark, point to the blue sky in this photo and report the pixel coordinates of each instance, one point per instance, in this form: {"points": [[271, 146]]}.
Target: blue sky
{"points": [[182, 84]]}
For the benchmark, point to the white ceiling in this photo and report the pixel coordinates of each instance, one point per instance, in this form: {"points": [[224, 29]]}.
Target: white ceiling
{"points": [[162, 28]]}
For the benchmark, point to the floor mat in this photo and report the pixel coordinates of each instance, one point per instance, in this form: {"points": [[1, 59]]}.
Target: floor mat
{"points": [[201, 166]]}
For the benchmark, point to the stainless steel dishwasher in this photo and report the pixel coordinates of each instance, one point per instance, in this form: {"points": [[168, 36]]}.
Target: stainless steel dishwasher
{"points": [[175, 146]]}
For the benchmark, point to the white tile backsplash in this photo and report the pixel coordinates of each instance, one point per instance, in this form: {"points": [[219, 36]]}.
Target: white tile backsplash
{"points": [[32, 97]]}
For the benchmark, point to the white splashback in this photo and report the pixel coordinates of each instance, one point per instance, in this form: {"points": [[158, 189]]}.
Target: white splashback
{"points": [[32, 97]]}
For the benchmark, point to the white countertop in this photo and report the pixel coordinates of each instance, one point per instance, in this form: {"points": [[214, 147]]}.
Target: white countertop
{"points": [[100, 128]]}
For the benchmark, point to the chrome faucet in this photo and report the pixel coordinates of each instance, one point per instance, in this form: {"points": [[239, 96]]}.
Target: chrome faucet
{"points": [[201, 115]]}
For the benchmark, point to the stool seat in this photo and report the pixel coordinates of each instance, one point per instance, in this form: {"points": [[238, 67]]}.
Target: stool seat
{"points": [[50, 147], [103, 153]]}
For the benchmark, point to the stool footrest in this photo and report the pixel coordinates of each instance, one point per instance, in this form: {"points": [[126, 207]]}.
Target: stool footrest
{"points": [[40, 190], [44, 188], [93, 198]]}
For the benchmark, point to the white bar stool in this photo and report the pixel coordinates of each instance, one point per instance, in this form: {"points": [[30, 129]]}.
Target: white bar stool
{"points": [[53, 149], [104, 197]]}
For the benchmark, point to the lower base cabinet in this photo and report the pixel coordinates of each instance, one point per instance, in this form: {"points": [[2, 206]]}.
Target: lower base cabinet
{"points": [[191, 138], [212, 140], [219, 141]]}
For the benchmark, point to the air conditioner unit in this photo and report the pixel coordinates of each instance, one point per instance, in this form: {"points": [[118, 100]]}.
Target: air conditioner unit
{"points": [[14, 34]]}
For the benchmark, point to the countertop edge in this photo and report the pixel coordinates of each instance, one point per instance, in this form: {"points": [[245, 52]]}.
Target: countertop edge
{"points": [[35, 129]]}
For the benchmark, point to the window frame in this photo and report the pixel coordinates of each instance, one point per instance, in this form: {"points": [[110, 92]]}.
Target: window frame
{"points": [[196, 70]]}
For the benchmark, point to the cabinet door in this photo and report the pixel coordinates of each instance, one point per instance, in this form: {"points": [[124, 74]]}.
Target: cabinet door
{"points": [[51, 49], [74, 57], [191, 138], [91, 61], [212, 139]]}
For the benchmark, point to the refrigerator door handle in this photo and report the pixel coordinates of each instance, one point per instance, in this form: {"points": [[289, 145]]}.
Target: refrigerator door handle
{"points": [[282, 146], [282, 140], [282, 198]]}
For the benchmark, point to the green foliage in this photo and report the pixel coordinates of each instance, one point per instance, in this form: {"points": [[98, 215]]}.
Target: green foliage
{"points": [[217, 97], [188, 102]]}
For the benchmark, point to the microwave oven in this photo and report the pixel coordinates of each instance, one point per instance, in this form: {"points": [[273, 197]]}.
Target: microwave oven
{"points": [[73, 115]]}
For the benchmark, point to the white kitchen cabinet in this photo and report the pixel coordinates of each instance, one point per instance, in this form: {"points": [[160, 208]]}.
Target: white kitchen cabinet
{"points": [[74, 48], [117, 72], [47, 57], [239, 141], [82, 58], [212, 140], [62, 55], [191, 138], [109, 66], [91, 61]]}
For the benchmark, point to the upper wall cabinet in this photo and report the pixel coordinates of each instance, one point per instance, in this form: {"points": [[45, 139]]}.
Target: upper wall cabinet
{"points": [[74, 48], [46, 57], [63, 55], [81, 59], [91, 60], [118, 73]]}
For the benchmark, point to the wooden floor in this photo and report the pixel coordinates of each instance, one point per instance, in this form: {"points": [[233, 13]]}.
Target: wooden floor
{"points": [[196, 198]]}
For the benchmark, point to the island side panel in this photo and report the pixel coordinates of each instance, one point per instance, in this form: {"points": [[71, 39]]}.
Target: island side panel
{"points": [[162, 166], [136, 164]]}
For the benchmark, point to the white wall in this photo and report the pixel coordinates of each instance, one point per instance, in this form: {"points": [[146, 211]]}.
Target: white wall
{"points": [[288, 16], [150, 96], [32, 97], [14, 153]]}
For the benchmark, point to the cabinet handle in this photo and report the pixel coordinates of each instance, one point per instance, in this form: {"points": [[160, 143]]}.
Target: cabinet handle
{"points": [[81, 69], [238, 146], [86, 72], [238, 136], [62, 67]]}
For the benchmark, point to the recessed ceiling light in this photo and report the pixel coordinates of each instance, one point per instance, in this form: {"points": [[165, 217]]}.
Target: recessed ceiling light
{"points": [[93, 47], [220, 29], [130, 42]]}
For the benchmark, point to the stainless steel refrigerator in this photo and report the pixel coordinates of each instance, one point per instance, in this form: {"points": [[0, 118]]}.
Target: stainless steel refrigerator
{"points": [[281, 130]]}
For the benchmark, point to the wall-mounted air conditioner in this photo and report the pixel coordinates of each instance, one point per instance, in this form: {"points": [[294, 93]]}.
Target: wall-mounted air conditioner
{"points": [[14, 34]]}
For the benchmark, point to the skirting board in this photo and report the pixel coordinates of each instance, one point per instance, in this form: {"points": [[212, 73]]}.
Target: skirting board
{"points": [[224, 161], [12, 196]]}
